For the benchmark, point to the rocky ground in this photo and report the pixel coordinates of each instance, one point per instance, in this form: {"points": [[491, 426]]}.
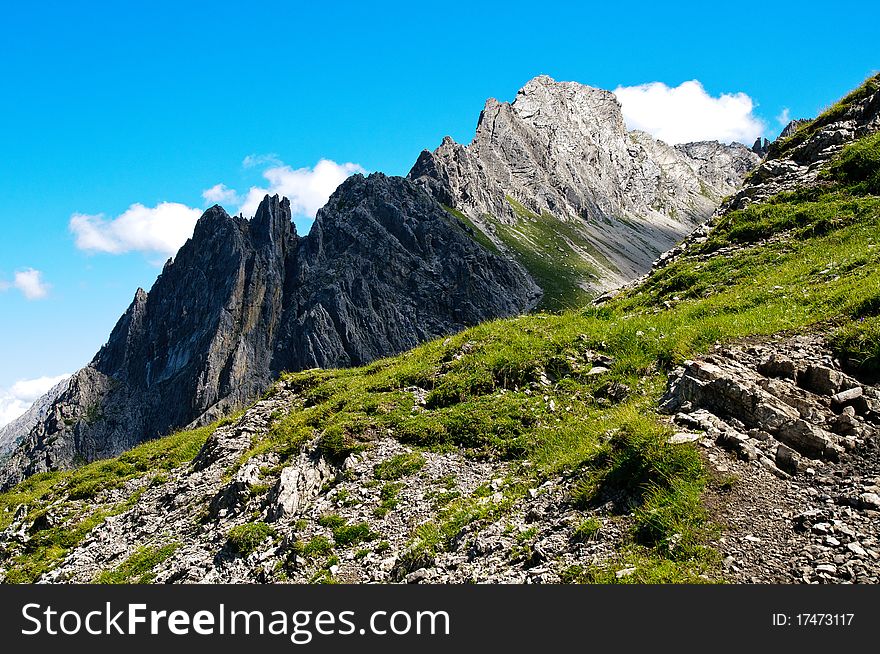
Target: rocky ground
{"points": [[796, 441]]}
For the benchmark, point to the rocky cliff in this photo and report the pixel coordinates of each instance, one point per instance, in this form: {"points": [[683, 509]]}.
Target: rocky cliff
{"points": [[383, 268], [555, 178]]}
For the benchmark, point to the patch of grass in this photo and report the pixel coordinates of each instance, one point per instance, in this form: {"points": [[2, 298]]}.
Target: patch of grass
{"points": [[639, 565], [857, 345], [79, 490], [331, 521], [359, 532], [138, 568], [388, 498], [553, 252], [399, 466], [317, 546], [527, 535], [245, 539], [858, 166], [345, 534], [46, 549], [587, 530]]}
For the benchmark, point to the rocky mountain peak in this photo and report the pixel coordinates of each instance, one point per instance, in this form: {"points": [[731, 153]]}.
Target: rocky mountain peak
{"points": [[560, 152], [272, 224], [792, 127]]}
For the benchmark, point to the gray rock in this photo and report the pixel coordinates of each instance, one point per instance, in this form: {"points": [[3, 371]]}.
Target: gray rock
{"points": [[869, 501], [561, 151], [297, 486]]}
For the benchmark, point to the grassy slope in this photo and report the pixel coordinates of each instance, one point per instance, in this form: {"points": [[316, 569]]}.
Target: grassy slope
{"points": [[66, 505], [549, 249], [521, 390]]}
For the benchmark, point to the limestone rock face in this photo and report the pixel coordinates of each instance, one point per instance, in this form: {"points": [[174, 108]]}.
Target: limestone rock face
{"points": [[792, 127], [383, 268], [561, 152]]}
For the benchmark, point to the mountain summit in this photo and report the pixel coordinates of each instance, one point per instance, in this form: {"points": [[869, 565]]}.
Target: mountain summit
{"points": [[555, 179]]}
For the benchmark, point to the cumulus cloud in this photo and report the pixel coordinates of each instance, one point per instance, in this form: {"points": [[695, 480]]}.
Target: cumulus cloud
{"points": [[29, 282], [161, 229], [686, 112], [18, 399], [220, 194], [307, 188]]}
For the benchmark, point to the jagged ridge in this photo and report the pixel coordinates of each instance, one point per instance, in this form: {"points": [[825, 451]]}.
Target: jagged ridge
{"points": [[383, 268]]}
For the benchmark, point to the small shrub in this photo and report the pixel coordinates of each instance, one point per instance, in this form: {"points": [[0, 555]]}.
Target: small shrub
{"points": [[245, 539], [138, 568]]}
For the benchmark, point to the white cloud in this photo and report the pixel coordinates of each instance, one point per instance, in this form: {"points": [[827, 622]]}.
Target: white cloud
{"points": [[307, 188], [29, 282], [687, 113], [18, 399], [220, 194], [161, 229], [254, 160], [784, 118]]}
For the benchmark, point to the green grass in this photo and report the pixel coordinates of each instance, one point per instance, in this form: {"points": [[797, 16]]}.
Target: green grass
{"points": [[245, 539], [398, 466], [587, 530], [552, 251], [345, 534], [388, 498], [317, 546], [87, 481], [858, 345], [138, 568], [74, 496]]}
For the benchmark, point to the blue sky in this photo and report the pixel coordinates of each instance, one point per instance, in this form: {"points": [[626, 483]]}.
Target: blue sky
{"points": [[109, 104]]}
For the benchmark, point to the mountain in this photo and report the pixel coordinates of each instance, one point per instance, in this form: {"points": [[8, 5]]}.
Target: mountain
{"points": [[383, 268], [718, 421], [555, 179], [13, 433], [553, 201]]}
